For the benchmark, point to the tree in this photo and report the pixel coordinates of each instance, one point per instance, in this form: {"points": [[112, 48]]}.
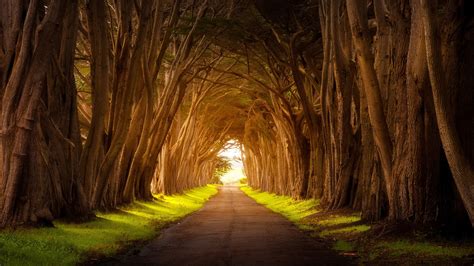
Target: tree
{"points": [[40, 138]]}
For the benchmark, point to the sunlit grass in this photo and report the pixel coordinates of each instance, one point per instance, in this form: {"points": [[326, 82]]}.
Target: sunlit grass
{"points": [[345, 227], [346, 230], [329, 226], [338, 220], [68, 244], [301, 212], [293, 210]]}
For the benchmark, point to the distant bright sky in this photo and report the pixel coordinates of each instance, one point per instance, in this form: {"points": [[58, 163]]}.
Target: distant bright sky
{"points": [[235, 157], [233, 154]]}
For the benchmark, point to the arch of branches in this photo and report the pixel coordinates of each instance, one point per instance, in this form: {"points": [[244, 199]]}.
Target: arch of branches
{"points": [[363, 104]]}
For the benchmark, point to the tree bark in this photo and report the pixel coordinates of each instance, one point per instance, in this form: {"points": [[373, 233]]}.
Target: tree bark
{"points": [[40, 142], [461, 168], [365, 61]]}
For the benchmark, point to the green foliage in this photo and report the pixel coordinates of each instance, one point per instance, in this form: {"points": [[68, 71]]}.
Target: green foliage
{"points": [[68, 244], [243, 181], [293, 210], [222, 167]]}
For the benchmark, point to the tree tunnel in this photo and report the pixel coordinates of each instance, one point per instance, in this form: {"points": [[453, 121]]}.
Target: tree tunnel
{"points": [[362, 104]]}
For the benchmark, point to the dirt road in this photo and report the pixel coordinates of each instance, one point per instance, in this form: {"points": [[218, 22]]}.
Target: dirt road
{"points": [[232, 229]]}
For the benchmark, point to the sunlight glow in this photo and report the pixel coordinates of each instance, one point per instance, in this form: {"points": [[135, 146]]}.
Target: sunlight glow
{"points": [[233, 154]]}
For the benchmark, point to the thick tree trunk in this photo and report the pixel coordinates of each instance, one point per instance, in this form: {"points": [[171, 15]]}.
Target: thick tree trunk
{"points": [[461, 168], [100, 45], [125, 113], [365, 61], [40, 143]]}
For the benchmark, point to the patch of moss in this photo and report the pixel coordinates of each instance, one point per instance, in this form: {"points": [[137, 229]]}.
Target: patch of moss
{"points": [[346, 230], [403, 247], [305, 227], [343, 246], [339, 220], [69, 244]]}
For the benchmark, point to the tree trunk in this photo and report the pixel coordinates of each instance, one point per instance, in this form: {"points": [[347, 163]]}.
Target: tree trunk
{"points": [[41, 145], [365, 61], [461, 168]]}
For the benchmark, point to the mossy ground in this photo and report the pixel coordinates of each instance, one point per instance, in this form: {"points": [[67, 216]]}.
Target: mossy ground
{"points": [[69, 244], [346, 233]]}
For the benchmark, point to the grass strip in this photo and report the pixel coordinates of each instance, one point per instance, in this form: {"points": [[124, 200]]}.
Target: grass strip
{"points": [[347, 230], [293, 210], [69, 244]]}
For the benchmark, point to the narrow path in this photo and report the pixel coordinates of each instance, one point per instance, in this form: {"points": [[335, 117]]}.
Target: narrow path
{"points": [[232, 229]]}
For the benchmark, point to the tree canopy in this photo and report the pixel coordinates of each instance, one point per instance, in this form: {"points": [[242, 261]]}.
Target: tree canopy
{"points": [[362, 104]]}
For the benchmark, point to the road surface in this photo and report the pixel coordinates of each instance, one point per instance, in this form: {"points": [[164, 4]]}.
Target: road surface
{"points": [[232, 229]]}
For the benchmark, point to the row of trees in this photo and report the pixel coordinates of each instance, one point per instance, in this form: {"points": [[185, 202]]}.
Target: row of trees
{"points": [[370, 108], [364, 104], [89, 93], [202, 128]]}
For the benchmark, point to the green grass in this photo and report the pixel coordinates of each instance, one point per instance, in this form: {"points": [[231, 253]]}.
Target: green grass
{"points": [[343, 246], [68, 244], [405, 247], [339, 220], [293, 210], [334, 225], [345, 227], [300, 213], [346, 230], [297, 210]]}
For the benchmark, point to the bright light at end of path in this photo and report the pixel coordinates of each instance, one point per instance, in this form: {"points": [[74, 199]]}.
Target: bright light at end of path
{"points": [[233, 154], [233, 176]]}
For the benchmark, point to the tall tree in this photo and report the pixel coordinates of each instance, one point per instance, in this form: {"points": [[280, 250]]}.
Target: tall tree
{"points": [[40, 143]]}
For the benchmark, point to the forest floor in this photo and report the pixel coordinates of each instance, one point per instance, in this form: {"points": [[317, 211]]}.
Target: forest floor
{"points": [[109, 233], [372, 244]]}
